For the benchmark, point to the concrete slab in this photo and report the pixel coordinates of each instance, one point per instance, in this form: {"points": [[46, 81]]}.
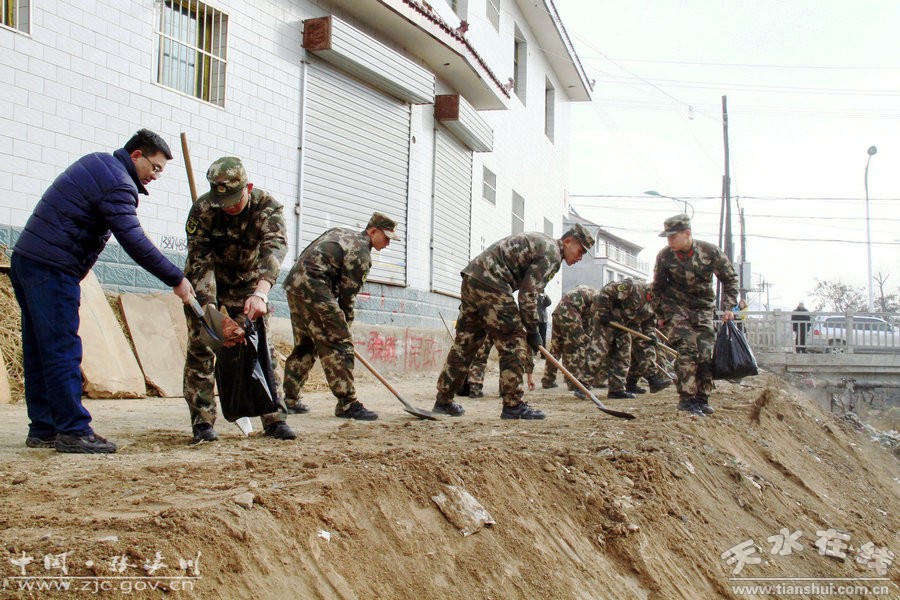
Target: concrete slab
{"points": [[5, 393], [109, 367], [158, 330]]}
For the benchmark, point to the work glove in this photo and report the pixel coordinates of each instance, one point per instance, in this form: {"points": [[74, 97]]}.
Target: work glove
{"points": [[534, 341], [652, 340], [605, 319]]}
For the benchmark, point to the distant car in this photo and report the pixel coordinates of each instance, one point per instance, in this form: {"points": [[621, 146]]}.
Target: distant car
{"points": [[867, 335]]}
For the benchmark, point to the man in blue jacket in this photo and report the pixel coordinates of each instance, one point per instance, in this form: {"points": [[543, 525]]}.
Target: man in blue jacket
{"points": [[93, 198]]}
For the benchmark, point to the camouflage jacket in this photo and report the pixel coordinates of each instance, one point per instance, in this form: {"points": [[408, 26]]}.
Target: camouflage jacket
{"points": [[525, 262], [627, 303], [227, 256], [333, 267], [576, 304], [686, 281]]}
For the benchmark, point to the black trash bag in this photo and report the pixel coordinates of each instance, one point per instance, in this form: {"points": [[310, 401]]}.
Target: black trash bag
{"points": [[732, 356], [245, 376]]}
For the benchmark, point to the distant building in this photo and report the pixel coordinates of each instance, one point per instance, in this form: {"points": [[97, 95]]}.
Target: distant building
{"points": [[611, 259]]}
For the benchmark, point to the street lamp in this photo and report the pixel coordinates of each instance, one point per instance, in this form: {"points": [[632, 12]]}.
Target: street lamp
{"points": [[684, 202], [871, 152]]}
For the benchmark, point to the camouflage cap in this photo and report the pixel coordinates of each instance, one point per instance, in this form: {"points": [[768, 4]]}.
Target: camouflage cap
{"points": [[227, 180], [673, 225], [580, 233], [385, 224]]}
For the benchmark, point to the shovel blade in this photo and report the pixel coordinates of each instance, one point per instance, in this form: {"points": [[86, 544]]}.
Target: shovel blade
{"points": [[421, 413]]}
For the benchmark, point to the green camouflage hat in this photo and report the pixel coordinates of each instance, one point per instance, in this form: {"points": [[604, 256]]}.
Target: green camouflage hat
{"points": [[227, 180], [384, 223], [673, 225], [580, 233]]}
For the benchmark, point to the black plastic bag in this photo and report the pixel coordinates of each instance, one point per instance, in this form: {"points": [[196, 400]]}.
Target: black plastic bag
{"points": [[246, 378], [732, 356]]}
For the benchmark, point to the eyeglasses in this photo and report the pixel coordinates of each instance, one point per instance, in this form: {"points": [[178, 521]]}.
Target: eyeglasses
{"points": [[157, 169]]}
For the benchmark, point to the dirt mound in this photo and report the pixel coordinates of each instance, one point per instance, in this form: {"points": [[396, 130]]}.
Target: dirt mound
{"points": [[585, 506]]}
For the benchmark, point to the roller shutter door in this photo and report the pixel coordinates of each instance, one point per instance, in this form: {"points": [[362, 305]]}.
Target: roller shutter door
{"points": [[452, 212], [356, 162]]}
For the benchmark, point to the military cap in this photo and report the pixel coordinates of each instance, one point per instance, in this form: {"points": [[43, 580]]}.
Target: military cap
{"points": [[384, 223], [580, 233], [227, 180], [673, 225]]}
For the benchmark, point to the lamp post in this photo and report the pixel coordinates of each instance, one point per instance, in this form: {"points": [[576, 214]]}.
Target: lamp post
{"points": [[685, 203], [871, 152]]}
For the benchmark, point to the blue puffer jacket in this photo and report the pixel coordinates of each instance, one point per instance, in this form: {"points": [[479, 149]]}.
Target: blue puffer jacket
{"points": [[97, 195]]}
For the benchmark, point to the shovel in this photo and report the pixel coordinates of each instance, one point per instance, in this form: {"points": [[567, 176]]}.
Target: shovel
{"points": [[198, 310], [580, 386], [418, 412], [640, 335]]}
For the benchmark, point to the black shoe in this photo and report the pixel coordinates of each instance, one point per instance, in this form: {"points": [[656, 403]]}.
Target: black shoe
{"points": [[579, 394], [297, 409], [690, 405], [521, 411], [620, 394], [658, 384], [635, 388], [451, 409], [705, 408], [33, 441], [84, 444], [358, 412], [548, 386], [476, 394], [280, 431], [204, 432]]}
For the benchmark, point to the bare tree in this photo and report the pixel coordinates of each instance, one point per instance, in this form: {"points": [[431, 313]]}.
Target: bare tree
{"points": [[886, 303], [839, 297]]}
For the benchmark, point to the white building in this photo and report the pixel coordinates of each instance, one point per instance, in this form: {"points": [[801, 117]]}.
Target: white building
{"points": [[452, 118], [611, 259]]}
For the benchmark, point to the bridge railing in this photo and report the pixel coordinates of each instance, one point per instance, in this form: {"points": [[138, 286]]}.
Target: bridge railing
{"points": [[821, 332]]}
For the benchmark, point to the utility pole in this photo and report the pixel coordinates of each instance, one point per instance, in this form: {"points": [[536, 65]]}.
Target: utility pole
{"points": [[726, 185]]}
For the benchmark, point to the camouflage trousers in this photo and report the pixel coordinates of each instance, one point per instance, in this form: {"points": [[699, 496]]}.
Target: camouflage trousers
{"points": [[485, 314], [644, 359], [615, 350], [320, 330], [570, 344], [479, 363], [199, 370], [692, 334]]}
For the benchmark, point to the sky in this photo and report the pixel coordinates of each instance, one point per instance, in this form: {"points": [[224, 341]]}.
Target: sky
{"points": [[810, 86]]}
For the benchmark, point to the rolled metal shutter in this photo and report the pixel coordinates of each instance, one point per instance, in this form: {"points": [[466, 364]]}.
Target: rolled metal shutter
{"points": [[452, 212], [356, 162]]}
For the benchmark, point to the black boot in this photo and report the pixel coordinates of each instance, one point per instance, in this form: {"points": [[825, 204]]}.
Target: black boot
{"points": [[658, 383], [632, 386]]}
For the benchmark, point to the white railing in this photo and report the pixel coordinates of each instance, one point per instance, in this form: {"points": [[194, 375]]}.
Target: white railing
{"points": [[821, 332]]}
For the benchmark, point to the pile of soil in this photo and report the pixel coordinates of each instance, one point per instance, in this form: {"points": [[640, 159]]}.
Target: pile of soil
{"points": [[586, 506]]}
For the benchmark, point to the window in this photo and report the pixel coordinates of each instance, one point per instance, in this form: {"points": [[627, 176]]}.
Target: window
{"points": [[518, 214], [489, 186], [192, 40], [493, 12], [520, 57], [549, 109], [610, 276], [459, 7], [16, 14], [548, 227]]}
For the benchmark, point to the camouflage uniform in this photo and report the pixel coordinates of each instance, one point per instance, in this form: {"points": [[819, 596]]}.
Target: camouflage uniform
{"points": [[684, 298], [479, 363], [321, 292], [625, 302], [524, 262], [227, 256], [570, 341]]}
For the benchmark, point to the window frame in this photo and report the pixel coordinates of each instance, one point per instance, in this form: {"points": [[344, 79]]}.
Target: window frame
{"points": [[17, 9], [516, 219], [549, 110], [520, 65], [493, 16], [485, 186], [178, 56]]}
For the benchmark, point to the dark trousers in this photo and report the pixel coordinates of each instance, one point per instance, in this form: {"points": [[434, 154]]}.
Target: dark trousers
{"points": [[51, 349]]}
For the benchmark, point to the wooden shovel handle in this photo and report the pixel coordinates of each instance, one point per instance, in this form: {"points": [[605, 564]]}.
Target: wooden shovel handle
{"points": [[640, 335]]}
